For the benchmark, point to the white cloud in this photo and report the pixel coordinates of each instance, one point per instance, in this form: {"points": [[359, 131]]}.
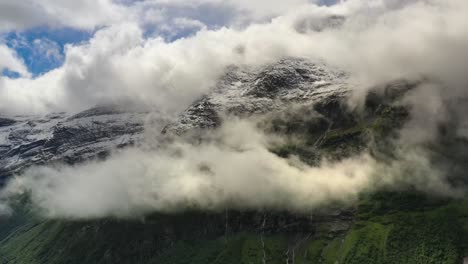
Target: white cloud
{"points": [[375, 44], [86, 14], [91, 14], [252, 10], [11, 61], [232, 169], [47, 50]]}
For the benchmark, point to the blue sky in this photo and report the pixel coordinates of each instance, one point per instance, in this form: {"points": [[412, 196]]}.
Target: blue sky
{"points": [[42, 48]]}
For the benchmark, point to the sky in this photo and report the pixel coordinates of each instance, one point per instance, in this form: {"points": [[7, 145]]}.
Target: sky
{"points": [[42, 49], [49, 48], [39, 41]]}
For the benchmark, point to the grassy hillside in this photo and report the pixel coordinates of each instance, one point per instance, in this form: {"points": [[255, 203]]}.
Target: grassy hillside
{"points": [[389, 228]]}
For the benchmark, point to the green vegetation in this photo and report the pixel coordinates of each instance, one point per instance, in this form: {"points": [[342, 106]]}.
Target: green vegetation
{"points": [[389, 227], [317, 137]]}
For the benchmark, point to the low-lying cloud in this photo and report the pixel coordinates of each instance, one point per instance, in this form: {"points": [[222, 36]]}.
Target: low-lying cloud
{"points": [[231, 168]]}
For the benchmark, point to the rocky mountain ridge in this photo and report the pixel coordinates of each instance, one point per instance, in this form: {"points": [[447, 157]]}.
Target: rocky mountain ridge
{"points": [[71, 138]]}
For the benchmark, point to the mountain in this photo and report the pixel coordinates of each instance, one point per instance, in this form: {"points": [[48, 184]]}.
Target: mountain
{"points": [[71, 138], [303, 101], [26, 141]]}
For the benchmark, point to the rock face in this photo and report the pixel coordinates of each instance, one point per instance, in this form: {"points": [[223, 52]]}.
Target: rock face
{"points": [[66, 138], [4, 122], [249, 91]]}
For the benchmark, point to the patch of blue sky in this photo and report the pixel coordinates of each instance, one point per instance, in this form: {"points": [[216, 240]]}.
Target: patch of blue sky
{"points": [[42, 49], [10, 74], [328, 2]]}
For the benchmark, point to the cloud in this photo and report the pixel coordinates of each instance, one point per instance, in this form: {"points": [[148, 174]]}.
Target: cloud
{"points": [[376, 42], [231, 169], [119, 63], [239, 12], [47, 49], [11, 61], [92, 14], [87, 14]]}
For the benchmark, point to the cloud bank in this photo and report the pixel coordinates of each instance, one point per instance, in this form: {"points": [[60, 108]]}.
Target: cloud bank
{"points": [[87, 14], [233, 168]]}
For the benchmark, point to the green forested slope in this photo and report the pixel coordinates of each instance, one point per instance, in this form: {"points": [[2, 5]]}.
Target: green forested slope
{"points": [[400, 231]]}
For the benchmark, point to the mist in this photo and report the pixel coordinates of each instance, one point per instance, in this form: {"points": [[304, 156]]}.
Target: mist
{"points": [[231, 168]]}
